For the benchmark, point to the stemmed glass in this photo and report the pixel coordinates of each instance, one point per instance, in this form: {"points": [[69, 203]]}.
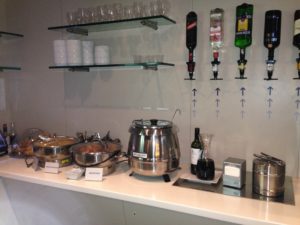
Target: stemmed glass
{"points": [[206, 138]]}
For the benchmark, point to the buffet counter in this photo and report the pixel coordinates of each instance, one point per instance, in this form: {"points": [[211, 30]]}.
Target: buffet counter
{"points": [[156, 193]]}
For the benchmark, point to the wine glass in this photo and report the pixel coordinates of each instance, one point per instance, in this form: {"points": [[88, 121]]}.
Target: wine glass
{"points": [[206, 138]]}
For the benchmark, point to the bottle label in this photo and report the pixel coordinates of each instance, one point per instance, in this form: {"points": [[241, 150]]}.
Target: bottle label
{"points": [[215, 31], [215, 34], [243, 25], [195, 155], [297, 27]]}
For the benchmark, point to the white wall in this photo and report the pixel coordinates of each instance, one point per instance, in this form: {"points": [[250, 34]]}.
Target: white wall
{"points": [[65, 102]]}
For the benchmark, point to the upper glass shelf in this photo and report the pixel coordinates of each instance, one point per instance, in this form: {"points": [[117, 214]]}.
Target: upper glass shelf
{"points": [[83, 29], [87, 68], [7, 35]]}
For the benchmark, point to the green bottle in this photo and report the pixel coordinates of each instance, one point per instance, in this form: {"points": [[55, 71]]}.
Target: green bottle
{"points": [[243, 34]]}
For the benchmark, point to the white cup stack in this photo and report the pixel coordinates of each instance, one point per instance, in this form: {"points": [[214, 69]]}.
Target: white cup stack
{"points": [[74, 56], [102, 55], [60, 54], [88, 52]]}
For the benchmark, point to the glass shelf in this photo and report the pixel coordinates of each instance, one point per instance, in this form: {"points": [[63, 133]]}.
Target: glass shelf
{"points": [[7, 35], [4, 68], [83, 29], [146, 66]]}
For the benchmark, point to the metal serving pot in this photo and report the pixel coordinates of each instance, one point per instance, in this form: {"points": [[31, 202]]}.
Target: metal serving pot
{"points": [[100, 154], [54, 149], [268, 175], [153, 148]]}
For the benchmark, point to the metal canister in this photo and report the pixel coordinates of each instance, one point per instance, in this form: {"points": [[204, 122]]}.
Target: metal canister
{"points": [[153, 147], [268, 176]]}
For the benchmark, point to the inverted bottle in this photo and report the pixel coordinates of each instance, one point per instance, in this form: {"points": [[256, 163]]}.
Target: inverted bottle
{"points": [[296, 39], [243, 34], [191, 41], [216, 37], [272, 38]]}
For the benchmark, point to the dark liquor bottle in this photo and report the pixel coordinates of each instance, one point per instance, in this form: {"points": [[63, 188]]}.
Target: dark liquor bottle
{"points": [[296, 39], [191, 41], [243, 34], [197, 148], [272, 38]]}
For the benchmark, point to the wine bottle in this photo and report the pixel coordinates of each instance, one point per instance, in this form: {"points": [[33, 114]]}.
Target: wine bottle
{"points": [[197, 149], [272, 38], [243, 34], [216, 37], [296, 39]]}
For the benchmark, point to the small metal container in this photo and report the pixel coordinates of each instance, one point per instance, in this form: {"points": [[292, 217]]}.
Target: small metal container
{"points": [[268, 176], [234, 172]]}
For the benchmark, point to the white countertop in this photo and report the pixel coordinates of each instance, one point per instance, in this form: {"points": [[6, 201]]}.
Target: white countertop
{"points": [[155, 192]]}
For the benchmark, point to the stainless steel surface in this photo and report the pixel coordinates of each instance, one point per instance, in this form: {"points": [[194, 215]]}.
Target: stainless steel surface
{"points": [[268, 177], [287, 197], [62, 160], [108, 166], [153, 147], [149, 168]]}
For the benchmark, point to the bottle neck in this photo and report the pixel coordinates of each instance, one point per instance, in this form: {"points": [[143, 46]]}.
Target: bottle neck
{"points": [[197, 135]]}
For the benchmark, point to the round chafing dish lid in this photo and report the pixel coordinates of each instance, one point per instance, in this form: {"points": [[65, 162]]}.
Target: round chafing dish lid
{"points": [[56, 142], [153, 123]]}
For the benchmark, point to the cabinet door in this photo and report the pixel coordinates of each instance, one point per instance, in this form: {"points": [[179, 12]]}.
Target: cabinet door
{"points": [[137, 214], [36, 204]]}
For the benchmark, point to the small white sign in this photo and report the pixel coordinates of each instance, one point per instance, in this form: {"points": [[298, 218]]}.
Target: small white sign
{"points": [[232, 171], [139, 155], [94, 174], [51, 167]]}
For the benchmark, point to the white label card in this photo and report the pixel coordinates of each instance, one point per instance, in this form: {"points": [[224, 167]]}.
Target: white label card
{"points": [[232, 171], [94, 174], [139, 155], [51, 167]]}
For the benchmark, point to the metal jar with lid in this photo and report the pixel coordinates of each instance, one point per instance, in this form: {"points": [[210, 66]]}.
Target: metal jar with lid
{"points": [[153, 148], [268, 175]]}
